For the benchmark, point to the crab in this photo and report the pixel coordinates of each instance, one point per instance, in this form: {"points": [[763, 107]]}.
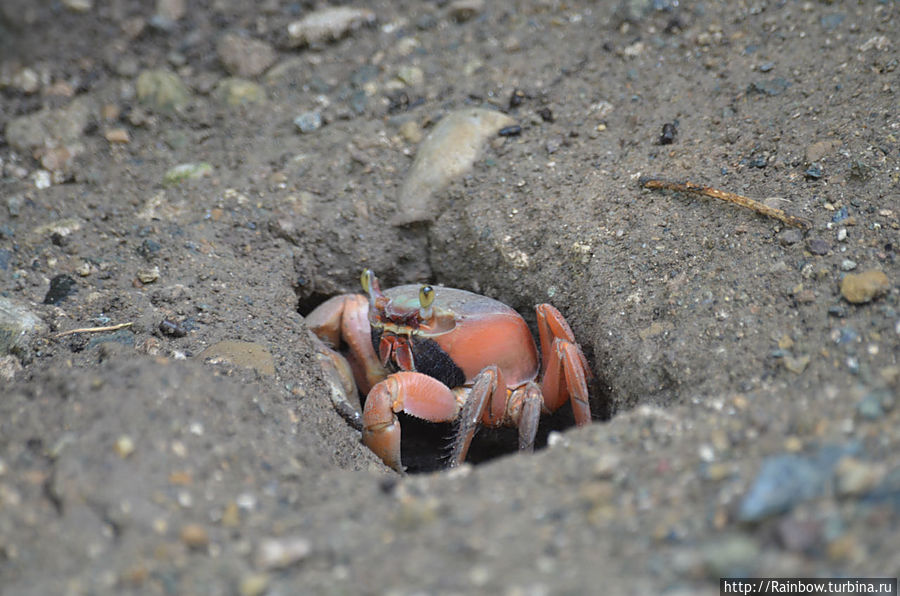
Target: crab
{"points": [[444, 355]]}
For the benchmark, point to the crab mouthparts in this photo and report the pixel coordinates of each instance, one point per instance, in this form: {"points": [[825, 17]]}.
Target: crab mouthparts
{"points": [[396, 348]]}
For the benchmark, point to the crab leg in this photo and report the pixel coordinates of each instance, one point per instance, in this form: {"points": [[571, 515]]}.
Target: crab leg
{"points": [[526, 404], [410, 392], [485, 402], [346, 318], [340, 380], [565, 369]]}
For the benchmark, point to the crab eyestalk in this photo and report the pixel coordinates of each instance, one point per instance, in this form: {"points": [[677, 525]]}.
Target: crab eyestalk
{"points": [[426, 299], [377, 300]]}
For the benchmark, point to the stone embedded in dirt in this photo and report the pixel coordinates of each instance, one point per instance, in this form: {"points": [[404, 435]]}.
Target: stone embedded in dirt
{"points": [[786, 480], [194, 536], [124, 446], [187, 171], [308, 121], [771, 87], [117, 136], [79, 5], [821, 149], [790, 236], [243, 56], [246, 354], [854, 477], [796, 364], [818, 246], [449, 151], [254, 584], [860, 288], [463, 10], [170, 10], [162, 90], [799, 535], [328, 24], [48, 128], [234, 92], [411, 131], [148, 275], [18, 324], [61, 287], [278, 553]]}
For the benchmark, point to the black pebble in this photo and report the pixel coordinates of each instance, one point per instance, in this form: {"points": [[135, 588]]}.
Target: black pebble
{"points": [[61, 287], [669, 130]]}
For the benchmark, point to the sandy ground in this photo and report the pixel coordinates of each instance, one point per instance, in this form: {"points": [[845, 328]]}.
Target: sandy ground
{"points": [[745, 380]]}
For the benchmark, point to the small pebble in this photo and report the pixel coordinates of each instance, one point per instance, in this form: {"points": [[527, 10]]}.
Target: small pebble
{"points": [[796, 364], [864, 287], [117, 135], [848, 265], [187, 171], [837, 311], [328, 24], [869, 407], [41, 179], [785, 480], [669, 131], [411, 131], [818, 246], [124, 446], [842, 234], [790, 236], [194, 536], [234, 92], [61, 287], [148, 276], [772, 87], [162, 90], [243, 56], [308, 121], [854, 477], [254, 584], [463, 10], [278, 553], [813, 172], [412, 76], [799, 535]]}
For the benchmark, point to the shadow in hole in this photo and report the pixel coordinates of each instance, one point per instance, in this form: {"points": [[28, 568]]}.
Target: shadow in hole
{"points": [[425, 445], [307, 304]]}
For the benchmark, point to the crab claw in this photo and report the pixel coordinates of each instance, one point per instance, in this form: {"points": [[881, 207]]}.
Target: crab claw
{"points": [[410, 392]]}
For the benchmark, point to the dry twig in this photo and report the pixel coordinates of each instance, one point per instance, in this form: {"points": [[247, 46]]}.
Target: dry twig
{"points": [[94, 329], [715, 193]]}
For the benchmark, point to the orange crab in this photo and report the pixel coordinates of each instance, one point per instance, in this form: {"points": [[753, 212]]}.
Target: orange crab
{"points": [[445, 355]]}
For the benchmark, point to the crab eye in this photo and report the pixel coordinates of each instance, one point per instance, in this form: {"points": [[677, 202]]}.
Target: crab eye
{"points": [[426, 296], [365, 280]]}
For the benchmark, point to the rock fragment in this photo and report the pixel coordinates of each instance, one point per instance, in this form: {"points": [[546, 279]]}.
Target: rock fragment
{"points": [[328, 24], [162, 90], [243, 56], [448, 152], [859, 288]]}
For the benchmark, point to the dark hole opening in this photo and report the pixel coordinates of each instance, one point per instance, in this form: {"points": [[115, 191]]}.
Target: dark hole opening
{"points": [[425, 445], [306, 304]]}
